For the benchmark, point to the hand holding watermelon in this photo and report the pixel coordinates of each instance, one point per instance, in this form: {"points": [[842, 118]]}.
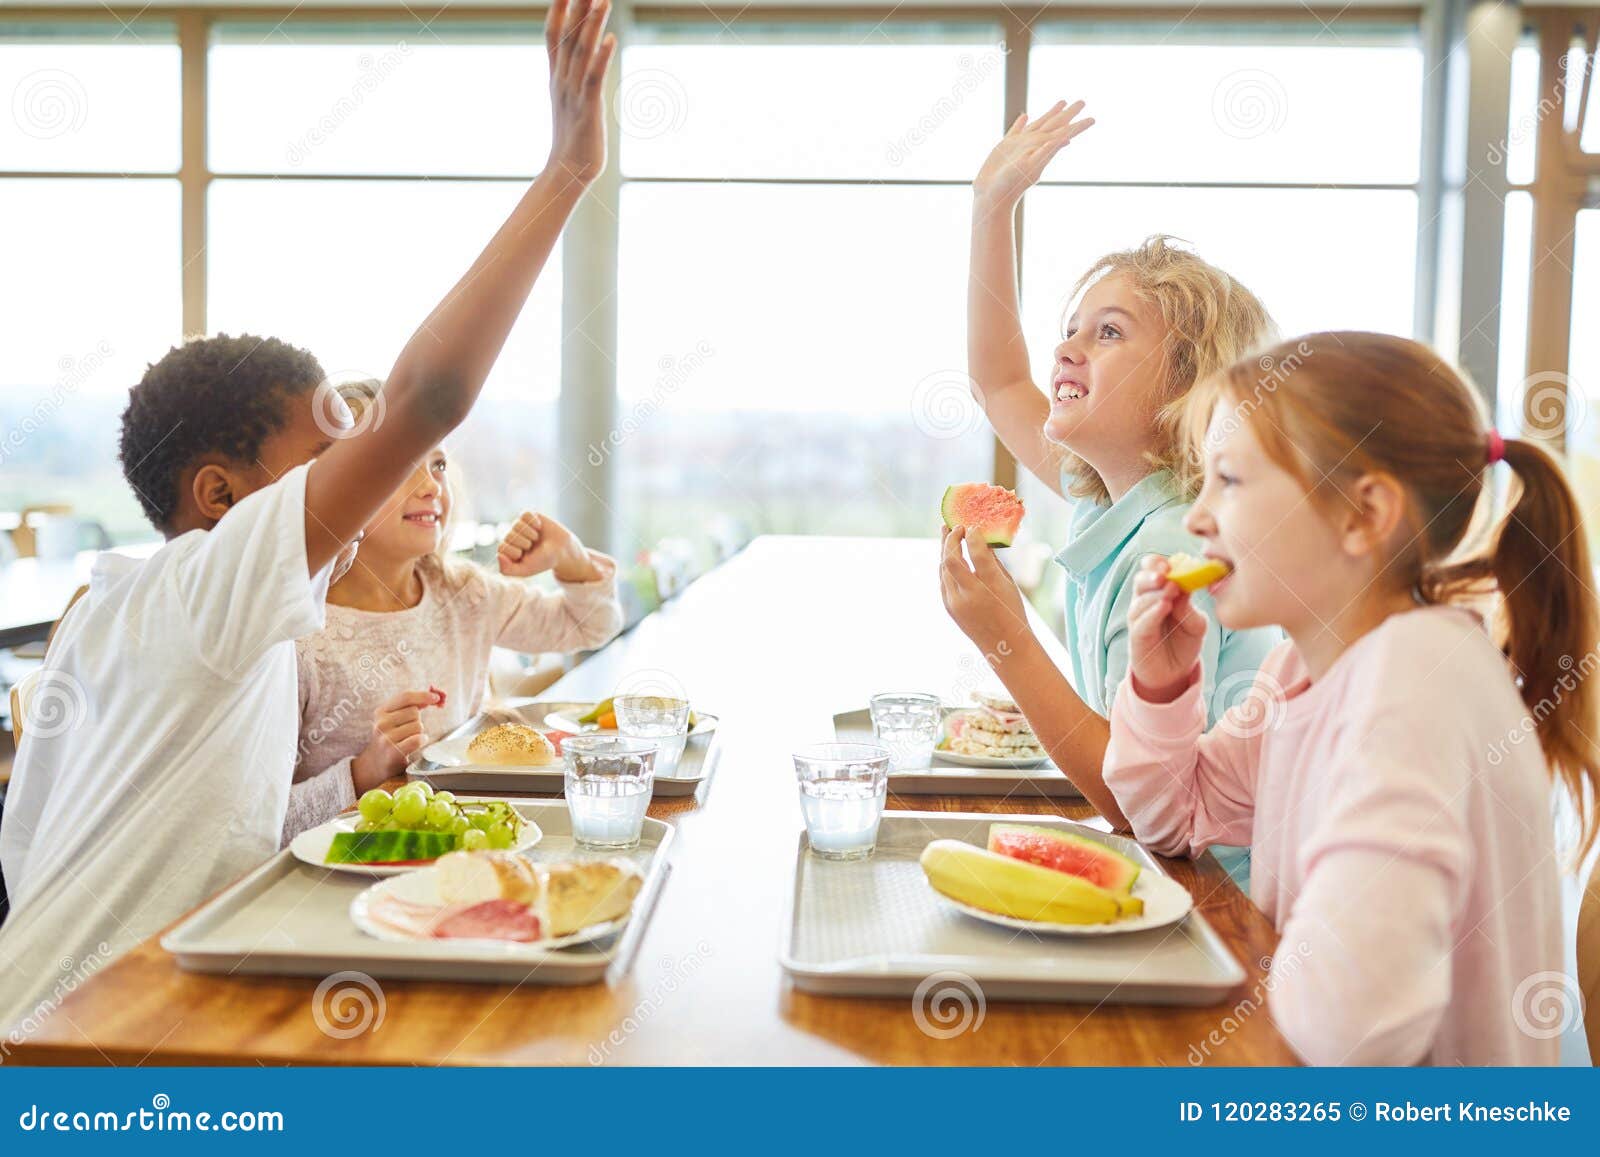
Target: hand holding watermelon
{"points": [[1165, 633], [982, 598]]}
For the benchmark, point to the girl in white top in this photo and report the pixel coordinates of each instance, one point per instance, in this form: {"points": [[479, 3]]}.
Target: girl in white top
{"points": [[404, 655]]}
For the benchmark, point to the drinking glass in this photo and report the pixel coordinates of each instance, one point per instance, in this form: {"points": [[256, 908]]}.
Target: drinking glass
{"points": [[662, 720], [609, 780], [907, 723], [842, 790]]}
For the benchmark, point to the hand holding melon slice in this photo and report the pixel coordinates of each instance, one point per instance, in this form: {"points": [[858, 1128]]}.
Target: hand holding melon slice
{"points": [[992, 512]]}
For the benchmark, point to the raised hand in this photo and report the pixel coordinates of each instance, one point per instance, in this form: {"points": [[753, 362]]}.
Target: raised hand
{"points": [[537, 543], [1018, 161], [580, 52], [1165, 634]]}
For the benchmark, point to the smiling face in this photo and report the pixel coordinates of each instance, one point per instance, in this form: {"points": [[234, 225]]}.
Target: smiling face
{"points": [[1109, 378], [1291, 566], [412, 523]]}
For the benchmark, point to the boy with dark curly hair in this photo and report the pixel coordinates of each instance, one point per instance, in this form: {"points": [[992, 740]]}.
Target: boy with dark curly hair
{"points": [[169, 776]]}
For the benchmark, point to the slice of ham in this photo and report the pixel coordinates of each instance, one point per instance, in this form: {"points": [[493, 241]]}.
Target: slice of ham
{"points": [[489, 920], [404, 916]]}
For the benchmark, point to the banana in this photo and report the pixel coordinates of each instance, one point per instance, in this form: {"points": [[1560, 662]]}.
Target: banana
{"points": [[1000, 884]]}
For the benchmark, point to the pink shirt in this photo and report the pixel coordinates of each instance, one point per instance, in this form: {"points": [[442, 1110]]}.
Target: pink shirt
{"points": [[1399, 813]]}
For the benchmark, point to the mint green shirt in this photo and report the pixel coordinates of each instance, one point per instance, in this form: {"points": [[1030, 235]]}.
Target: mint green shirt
{"points": [[1105, 547]]}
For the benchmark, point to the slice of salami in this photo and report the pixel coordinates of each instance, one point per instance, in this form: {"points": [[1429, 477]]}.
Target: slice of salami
{"points": [[489, 920]]}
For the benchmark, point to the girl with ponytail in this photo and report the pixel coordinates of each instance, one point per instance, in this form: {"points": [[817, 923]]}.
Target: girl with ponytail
{"points": [[1392, 765]]}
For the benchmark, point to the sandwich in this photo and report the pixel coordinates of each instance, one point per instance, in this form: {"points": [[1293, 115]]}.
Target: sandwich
{"points": [[994, 729]]}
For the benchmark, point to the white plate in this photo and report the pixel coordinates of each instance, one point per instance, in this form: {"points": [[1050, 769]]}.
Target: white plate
{"points": [[311, 847], [422, 887], [453, 753], [704, 723], [961, 760], [1165, 902]]}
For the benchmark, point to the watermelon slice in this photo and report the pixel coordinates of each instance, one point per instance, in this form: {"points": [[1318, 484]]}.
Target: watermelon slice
{"points": [[1077, 856], [992, 511], [389, 847]]}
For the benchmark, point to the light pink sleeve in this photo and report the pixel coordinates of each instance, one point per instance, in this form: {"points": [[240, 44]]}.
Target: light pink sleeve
{"points": [[1363, 970], [577, 617], [318, 799], [1183, 788]]}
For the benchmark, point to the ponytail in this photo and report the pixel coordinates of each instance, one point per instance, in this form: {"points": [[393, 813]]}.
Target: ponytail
{"points": [[1540, 561]]}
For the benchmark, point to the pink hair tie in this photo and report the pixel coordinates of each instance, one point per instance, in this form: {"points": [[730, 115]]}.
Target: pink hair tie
{"points": [[1497, 447]]}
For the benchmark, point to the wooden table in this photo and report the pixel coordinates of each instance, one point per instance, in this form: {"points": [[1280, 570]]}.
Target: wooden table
{"points": [[774, 641]]}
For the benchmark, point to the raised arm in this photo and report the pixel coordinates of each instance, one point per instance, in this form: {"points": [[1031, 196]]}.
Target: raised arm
{"points": [[441, 370], [997, 356]]}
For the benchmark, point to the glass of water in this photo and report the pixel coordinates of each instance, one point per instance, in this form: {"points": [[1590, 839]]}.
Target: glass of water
{"points": [[907, 723], [609, 781], [842, 790], [662, 720]]}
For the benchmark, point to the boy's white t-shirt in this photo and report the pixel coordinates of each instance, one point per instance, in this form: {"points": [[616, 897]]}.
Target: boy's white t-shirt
{"points": [[159, 744]]}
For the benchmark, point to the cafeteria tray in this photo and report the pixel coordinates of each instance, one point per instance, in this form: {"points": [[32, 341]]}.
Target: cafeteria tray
{"points": [[695, 767], [291, 919], [875, 927], [1046, 780]]}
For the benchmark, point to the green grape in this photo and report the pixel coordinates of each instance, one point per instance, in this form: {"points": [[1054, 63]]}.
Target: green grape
{"points": [[461, 827], [423, 786], [441, 816], [447, 796], [474, 840], [365, 826], [409, 809], [481, 821], [375, 805], [500, 837]]}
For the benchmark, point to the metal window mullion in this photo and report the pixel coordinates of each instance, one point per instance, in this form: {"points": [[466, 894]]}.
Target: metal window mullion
{"points": [[1018, 31], [194, 29]]}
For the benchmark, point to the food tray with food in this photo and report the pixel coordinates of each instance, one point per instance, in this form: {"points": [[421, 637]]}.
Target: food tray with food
{"points": [[468, 758], [878, 927], [1028, 771], [290, 918]]}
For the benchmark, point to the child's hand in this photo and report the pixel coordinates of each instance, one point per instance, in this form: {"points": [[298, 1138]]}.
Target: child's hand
{"points": [[578, 62], [1165, 633], [537, 543], [1022, 154], [397, 735], [983, 599]]}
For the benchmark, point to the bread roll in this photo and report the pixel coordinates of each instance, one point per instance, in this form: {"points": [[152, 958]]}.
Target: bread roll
{"points": [[511, 743], [473, 877], [577, 895]]}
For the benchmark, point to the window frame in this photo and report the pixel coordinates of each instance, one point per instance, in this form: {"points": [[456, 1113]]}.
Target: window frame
{"points": [[589, 295]]}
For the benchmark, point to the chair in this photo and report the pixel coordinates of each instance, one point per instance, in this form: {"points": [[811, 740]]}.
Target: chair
{"points": [[21, 691]]}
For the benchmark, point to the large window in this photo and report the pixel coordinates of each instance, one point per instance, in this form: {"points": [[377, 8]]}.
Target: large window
{"points": [[343, 208], [89, 255], [1253, 147], [792, 271]]}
